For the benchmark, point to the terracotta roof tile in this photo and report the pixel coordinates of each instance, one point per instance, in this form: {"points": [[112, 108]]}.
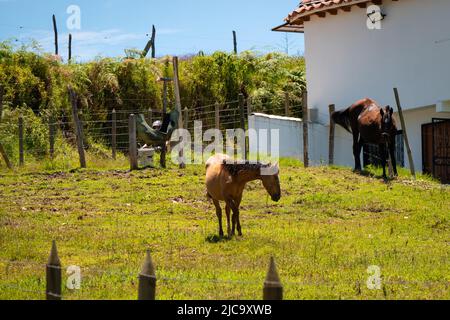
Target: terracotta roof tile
{"points": [[309, 7]]}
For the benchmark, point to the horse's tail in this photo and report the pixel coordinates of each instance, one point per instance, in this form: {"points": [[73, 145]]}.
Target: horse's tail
{"points": [[342, 118]]}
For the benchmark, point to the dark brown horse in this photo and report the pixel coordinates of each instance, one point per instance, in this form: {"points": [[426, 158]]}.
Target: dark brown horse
{"points": [[369, 123]]}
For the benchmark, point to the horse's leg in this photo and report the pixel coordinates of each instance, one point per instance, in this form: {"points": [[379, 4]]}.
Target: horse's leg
{"points": [[360, 148], [238, 218], [219, 216], [228, 212], [357, 151], [235, 209], [383, 158], [392, 154]]}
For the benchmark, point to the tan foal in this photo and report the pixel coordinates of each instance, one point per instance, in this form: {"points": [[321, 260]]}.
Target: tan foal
{"points": [[225, 181]]}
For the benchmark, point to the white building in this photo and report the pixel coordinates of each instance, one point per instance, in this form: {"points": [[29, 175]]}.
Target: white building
{"points": [[354, 51]]}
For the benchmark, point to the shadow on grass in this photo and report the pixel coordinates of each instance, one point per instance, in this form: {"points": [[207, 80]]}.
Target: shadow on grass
{"points": [[369, 174], [214, 238]]}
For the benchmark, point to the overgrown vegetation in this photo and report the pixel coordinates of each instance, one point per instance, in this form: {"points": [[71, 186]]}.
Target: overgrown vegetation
{"points": [[40, 81], [35, 85], [328, 228]]}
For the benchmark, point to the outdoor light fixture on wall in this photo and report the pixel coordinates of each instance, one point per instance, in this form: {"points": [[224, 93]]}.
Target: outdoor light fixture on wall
{"points": [[376, 15]]}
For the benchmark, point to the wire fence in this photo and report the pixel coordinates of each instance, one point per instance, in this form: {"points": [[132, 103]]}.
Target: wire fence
{"points": [[102, 128], [112, 131], [97, 131]]}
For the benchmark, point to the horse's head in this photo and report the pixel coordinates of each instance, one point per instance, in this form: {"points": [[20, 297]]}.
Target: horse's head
{"points": [[271, 181], [387, 122]]}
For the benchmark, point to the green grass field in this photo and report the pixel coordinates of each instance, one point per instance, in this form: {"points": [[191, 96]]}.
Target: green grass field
{"points": [[328, 228]]}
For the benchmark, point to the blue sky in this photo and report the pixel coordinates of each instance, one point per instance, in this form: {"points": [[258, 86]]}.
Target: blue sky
{"points": [[183, 27]]}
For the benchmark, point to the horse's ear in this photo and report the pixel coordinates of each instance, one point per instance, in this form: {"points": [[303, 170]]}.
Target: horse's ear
{"points": [[391, 110], [382, 112]]}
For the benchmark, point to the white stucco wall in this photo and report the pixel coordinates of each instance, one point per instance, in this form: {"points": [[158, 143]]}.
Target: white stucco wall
{"points": [[290, 144], [290, 135], [345, 61]]}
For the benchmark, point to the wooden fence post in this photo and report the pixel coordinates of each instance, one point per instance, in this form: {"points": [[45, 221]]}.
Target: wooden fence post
{"points": [[162, 158], [235, 50], [305, 129], [186, 125], [249, 106], [150, 45], [2, 150], [186, 118], [242, 111], [217, 115], [176, 81], [53, 275], [405, 134], [21, 155], [70, 48], [273, 290], [78, 127], [114, 134], [147, 280], [133, 142], [242, 118], [55, 30], [51, 137], [286, 104], [5, 157], [153, 42], [331, 108], [165, 97]]}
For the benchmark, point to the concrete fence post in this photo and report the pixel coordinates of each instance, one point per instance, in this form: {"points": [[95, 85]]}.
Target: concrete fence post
{"points": [[53, 275], [147, 280], [273, 290]]}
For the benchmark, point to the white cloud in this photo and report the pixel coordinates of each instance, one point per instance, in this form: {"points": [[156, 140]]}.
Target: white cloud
{"points": [[87, 38], [89, 44]]}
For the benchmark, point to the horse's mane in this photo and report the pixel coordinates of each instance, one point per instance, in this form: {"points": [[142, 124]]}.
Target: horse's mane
{"points": [[235, 168]]}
